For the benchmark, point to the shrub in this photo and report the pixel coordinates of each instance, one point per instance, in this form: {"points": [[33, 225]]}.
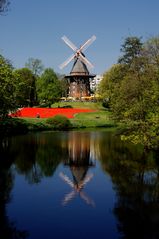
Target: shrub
{"points": [[66, 106], [106, 104], [12, 126], [37, 126], [59, 122]]}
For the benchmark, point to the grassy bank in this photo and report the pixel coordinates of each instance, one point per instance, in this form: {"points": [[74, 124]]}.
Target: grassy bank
{"points": [[82, 120], [99, 118]]}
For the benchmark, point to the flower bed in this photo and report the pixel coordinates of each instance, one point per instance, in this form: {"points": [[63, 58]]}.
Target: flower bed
{"points": [[48, 112]]}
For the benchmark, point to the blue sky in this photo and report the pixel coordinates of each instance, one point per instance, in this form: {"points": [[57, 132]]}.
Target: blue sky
{"points": [[33, 28]]}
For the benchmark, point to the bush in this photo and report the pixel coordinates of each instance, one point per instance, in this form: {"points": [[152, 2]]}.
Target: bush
{"points": [[105, 104], [37, 126], [12, 126], [59, 122], [66, 106]]}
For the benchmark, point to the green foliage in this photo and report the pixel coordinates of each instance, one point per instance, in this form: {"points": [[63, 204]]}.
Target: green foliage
{"points": [[131, 49], [49, 88], [136, 103], [25, 87], [151, 51], [64, 87], [7, 88], [144, 132], [133, 98], [59, 122], [37, 126], [111, 79], [10, 126], [132, 89], [105, 104]]}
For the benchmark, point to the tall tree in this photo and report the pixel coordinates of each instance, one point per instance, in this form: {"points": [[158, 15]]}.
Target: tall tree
{"points": [[25, 87], [151, 51], [64, 87], [35, 65], [135, 101], [133, 90], [131, 49], [111, 79], [49, 87], [7, 88]]}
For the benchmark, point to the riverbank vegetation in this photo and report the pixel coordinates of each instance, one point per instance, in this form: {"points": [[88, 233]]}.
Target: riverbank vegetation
{"points": [[131, 90]]}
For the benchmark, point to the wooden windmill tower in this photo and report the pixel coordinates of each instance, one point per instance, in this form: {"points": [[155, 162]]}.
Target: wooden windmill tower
{"points": [[79, 77]]}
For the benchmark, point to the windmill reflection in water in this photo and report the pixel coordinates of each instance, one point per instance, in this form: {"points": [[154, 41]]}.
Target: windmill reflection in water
{"points": [[79, 162]]}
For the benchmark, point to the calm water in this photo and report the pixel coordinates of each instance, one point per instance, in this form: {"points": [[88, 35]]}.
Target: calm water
{"points": [[77, 185]]}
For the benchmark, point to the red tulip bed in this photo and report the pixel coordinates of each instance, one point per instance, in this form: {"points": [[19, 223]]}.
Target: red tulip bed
{"points": [[48, 112]]}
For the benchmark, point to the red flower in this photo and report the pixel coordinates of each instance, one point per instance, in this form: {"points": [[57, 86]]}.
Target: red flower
{"points": [[47, 112]]}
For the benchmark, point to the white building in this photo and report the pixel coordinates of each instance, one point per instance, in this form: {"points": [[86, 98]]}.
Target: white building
{"points": [[95, 81]]}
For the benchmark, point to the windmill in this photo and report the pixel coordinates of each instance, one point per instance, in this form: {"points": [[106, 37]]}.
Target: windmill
{"points": [[79, 77]]}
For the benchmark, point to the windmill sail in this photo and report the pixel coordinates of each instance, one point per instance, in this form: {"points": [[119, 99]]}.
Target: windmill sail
{"points": [[77, 51]]}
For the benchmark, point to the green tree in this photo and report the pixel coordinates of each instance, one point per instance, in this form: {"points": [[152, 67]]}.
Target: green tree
{"points": [[132, 98], [151, 51], [7, 88], [64, 84], [133, 91], [135, 101], [25, 87], [111, 79], [49, 87], [64, 87], [35, 65], [131, 49]]}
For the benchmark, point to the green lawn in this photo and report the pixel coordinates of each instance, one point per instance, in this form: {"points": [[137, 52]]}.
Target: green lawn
{"points": [[93, 119]]}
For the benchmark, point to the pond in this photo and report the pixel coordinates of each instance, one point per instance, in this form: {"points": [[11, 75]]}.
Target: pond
{"points": [[77, 184]]}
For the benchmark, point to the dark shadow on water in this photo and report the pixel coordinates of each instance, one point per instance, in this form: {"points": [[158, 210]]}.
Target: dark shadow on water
{"points": [[8, 229]]}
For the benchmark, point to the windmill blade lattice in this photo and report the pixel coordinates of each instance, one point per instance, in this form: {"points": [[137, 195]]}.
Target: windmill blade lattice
{"points": [[78, 52], [69, 43], [84, 59], [87, 43], [65, 63]]}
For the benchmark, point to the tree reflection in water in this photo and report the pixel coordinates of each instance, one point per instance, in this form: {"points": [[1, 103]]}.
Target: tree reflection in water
{"points": [[8, 229], [137, 206], [135, 176]]}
